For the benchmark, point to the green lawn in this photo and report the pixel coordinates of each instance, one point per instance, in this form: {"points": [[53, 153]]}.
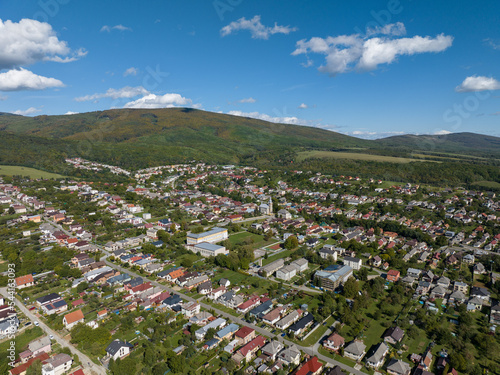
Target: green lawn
{"points": [[22, 339], [258, 240], [318, 333], [13, 170], [283, 254]]}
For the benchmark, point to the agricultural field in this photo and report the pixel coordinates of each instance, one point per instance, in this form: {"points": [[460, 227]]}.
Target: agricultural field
{"points": [[13, 170], [354, 156]]}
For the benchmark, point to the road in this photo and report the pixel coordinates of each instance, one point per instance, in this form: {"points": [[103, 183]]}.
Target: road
{"points": [[88, 366], [234, 319]]}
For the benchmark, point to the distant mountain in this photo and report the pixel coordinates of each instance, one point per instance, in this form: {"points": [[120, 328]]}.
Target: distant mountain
{"points": [[137, 138], [469, 143]]}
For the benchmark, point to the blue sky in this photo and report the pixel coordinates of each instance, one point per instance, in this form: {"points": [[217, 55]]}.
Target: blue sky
{"points": [[369, 69]]}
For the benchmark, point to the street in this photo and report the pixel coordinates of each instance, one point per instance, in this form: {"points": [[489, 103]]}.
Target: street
{"points": [[87, 364], [262, 331]]}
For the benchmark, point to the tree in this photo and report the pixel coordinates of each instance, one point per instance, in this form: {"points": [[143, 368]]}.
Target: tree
{"points": [[35, 368], [351, 288], [291, 243]]}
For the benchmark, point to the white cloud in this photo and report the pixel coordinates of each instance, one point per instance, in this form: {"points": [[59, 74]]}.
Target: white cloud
{"points": [[22, 79], [116, 27], [160, 101], [71, 113], [130, 72], [303, 106], [372, 134], [478, 83], [247, 100], [29, 41], [125, 92], [27, 112], [441, 132], [492, 43], [256, 28], [364, 52], [262, 116], [397, 29]]}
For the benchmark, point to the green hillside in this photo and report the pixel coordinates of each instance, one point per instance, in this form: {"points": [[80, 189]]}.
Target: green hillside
{"points": [[135, 138], [138, 138]]}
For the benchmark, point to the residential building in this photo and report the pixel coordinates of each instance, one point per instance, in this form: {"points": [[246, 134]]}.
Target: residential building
{"points": [[217, 323], [288, 320], [286, 273], [272, 267], [398, 367], [393, 275], [311, 367], [57, 365], [42, 345], [393, 335], [377, 358], [356, 350], [118, 349], [354, 263], [301, 325], [24, 281], [72, 319], [334, 342], [245, 335], [290, 356], [300, 265], [272, 349]]}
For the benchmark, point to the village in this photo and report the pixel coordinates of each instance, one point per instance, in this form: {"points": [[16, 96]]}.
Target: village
{"points": [[199, 268]]}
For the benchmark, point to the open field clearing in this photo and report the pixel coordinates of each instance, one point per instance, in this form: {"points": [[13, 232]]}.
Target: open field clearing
{"points": [[14, 170], [355, 156]]}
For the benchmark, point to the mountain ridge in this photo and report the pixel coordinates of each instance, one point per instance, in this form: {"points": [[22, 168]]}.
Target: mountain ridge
{"points": [[137, 138]]}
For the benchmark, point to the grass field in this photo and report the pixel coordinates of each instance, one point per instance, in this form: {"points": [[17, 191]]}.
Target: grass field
{"points": [[258, 240], [282, 254], [487, 184], [354, 156], [13, 170]]}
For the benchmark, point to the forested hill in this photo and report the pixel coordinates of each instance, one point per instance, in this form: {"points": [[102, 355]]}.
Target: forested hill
{"points": [[138, 138]]}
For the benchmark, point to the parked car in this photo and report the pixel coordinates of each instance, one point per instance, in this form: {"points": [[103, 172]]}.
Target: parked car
{"points": [[36, 323]]}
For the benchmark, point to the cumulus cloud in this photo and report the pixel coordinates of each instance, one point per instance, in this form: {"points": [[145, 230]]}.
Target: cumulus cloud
{"points": [[345, 53], [247, 100], [303, 106], [22, 79], [256, 28], [125, 92], [70, 113], [27, 112], [262, 116], [130, 72], [28, 41], [116, 27], [441, 132], [478, 83], [160, 101], [397, 29]]}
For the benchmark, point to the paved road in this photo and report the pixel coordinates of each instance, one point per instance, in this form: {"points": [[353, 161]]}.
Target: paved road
{"points": [[262, 331], [87, 364]]}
